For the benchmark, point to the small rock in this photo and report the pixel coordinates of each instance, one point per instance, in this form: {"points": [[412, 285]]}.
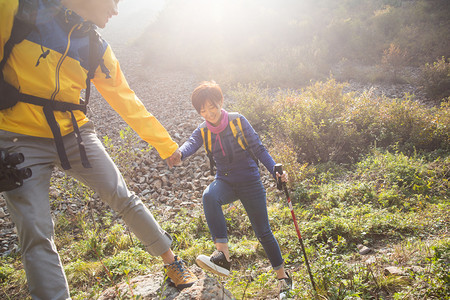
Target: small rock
{"points": [[363, 250], [393, 271], [157, 184], [145, 192]]}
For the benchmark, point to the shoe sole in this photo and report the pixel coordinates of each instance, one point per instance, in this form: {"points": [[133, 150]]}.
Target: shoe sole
{"points": [[180, 286], [205, 263]]}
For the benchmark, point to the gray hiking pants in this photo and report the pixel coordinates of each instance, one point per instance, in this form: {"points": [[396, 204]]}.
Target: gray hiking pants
{"points": [[30, 208]]}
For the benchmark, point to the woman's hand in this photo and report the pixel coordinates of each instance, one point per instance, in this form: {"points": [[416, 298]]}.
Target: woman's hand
{"points": [[284, 177], [174, 159]]}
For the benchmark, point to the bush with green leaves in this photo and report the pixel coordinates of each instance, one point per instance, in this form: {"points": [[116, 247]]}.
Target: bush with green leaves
{"points": [[383, 195], [393, 61], [321, 123], [6, 270], [434, 79], [254, 103], [316, 124]]}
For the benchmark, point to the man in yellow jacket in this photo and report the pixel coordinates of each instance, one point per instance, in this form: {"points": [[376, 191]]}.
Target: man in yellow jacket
{"points": [[49, 69]]}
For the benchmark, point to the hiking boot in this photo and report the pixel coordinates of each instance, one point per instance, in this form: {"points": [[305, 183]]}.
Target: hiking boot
{"points": [[179, 275], [285, 286], [216, 263]]}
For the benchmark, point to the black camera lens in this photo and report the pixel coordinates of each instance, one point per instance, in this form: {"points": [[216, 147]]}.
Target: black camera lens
{"points": [[24, 173], [14, 159]]}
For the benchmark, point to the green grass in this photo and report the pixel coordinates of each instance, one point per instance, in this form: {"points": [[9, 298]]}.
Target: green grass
{"points": [[393, 202]]}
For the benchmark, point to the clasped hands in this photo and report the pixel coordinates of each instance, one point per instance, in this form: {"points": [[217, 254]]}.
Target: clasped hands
{"points": [[174, 159]]}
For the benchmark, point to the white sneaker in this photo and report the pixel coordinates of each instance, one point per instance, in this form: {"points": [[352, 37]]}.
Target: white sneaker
{"points": [[216, 263], [285, 286]]}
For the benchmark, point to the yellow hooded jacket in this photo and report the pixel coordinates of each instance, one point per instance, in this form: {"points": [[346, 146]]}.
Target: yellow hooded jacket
{"points": [[61, 76]]}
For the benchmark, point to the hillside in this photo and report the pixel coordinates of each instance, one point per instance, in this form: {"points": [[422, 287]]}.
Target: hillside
{"points": [[369, 180]]}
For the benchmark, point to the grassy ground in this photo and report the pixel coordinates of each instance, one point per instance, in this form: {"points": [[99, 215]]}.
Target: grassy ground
{"points": [[339, 209], [394, 200]]}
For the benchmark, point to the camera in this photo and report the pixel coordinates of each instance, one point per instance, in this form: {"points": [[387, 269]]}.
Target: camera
{"points": [[12, 177]]}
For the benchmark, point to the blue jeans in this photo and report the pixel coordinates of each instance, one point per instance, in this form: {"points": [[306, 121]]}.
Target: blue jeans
{"points": [[253, 198]]}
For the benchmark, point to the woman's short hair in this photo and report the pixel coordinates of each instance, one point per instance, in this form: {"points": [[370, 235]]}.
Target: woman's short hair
{"points": [[207, 90]]}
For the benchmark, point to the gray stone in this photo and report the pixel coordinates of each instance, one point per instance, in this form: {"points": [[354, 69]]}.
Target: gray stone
{"points": [[152, 286], [393, 271], [363, 250]]}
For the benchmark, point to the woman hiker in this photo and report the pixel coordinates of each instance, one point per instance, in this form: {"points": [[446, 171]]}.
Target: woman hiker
{"points": [[237, 177]]}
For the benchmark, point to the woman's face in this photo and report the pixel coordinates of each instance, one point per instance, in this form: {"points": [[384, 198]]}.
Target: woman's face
{"points": [[211, 113]]}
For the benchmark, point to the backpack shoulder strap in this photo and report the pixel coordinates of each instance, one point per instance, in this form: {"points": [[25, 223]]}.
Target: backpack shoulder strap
{"points": [[207, 144], [24, 22], [95, 60], [236, 129], [238, 133], [206, 135]]}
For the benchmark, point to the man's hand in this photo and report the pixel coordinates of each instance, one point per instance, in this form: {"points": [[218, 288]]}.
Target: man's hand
{"points": [[175, 159]]}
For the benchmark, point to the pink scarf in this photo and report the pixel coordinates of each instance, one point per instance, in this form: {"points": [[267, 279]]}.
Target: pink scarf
{"points": [[216, 130]]}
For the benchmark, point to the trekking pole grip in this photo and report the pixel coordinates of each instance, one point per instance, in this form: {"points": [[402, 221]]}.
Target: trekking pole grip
{"points": [[279, 169]]}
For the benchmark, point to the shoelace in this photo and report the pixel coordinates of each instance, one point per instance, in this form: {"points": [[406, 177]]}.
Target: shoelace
{"points": [[179, 268], [216, 255]]}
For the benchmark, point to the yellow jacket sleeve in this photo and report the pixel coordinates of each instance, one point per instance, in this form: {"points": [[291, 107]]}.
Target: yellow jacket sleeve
{"points": [[124, 101], [8, 9]]}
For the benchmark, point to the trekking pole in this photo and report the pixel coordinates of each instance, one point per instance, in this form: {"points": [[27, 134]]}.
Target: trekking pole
{"points": [[282, 186]]}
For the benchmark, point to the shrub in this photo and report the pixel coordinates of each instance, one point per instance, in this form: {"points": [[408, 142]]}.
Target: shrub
{"points": [[393, 60], [322, 124], [314, 123], [254, 103], [435, 79], [284, 153], [435, 282]]}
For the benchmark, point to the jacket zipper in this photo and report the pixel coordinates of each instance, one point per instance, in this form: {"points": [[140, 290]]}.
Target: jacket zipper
{"points": [[58, 66]]}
